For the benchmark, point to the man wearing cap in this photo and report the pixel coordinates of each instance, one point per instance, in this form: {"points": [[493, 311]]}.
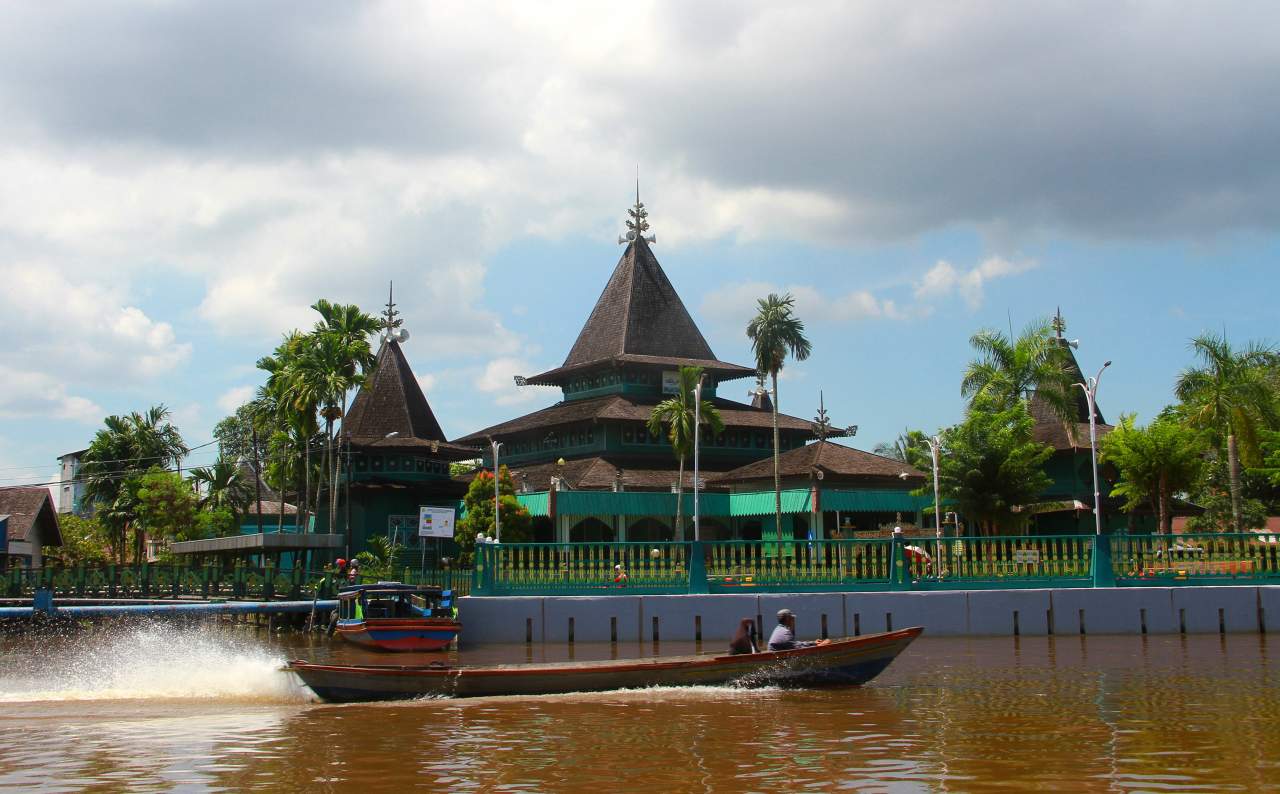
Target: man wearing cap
{"points": [[783, 637]]}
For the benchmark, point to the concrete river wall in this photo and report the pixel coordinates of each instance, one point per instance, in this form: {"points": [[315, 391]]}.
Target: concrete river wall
{"points": [[1120, 610]]}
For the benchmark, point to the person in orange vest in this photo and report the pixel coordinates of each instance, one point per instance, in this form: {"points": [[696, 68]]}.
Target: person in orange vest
{"points": [[619, 575]]}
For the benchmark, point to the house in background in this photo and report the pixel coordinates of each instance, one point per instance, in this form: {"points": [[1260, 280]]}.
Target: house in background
{"points": [[71, 491], [30, 526]]}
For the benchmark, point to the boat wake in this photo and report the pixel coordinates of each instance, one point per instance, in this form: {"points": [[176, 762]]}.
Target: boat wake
{"points": [[619, 696], [148, 662]]}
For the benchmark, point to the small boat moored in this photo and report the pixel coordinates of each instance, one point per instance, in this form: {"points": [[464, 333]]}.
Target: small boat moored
{"points": [[854, 660], [390, 616]]}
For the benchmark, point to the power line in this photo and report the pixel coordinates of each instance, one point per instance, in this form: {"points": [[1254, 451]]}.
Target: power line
{"points": [[124, 475], [115, 460]]}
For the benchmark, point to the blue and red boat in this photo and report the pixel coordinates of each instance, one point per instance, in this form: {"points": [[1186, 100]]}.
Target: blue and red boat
{"points": [[390, 616]]}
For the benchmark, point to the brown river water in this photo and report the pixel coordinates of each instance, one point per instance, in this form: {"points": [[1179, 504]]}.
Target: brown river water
{"points": [[205, 708]]}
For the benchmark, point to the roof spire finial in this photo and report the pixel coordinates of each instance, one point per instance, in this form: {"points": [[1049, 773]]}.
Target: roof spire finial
{"points": [[639, 221], [821, 422], [1059, 324], [391, 318]]}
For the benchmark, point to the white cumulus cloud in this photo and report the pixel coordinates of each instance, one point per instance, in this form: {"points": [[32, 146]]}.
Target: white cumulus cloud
{"points": [[945, 280]]}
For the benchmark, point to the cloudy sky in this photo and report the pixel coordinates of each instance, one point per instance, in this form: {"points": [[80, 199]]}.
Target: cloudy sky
{"points": [[181, 180]]}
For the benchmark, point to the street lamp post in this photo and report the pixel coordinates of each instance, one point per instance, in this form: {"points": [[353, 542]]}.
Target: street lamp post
{"points": [[497, 500], [935, 444], [1091, 394], [697, 437]]}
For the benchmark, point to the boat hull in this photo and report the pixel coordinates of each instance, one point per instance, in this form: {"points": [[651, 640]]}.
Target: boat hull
{"points": [[842, 662], [399, 634]]}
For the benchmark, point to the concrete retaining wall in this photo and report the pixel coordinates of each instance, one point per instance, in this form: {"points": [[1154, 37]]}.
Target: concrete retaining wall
{"points": [[1121, 610]]}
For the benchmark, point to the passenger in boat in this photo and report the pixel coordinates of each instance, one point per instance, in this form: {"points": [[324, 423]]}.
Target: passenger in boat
{"points": [[744, 641], [784, 634]]}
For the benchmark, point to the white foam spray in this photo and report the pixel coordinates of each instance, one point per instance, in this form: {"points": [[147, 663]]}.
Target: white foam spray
{"points": [[154, 660]]}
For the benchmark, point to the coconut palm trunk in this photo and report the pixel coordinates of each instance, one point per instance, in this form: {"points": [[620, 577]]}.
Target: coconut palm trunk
{"points": [[777, 471], [679, 501], [1233, 470]]}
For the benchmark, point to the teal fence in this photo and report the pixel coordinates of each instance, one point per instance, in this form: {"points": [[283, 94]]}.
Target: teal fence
{"points": [[968, 563]]}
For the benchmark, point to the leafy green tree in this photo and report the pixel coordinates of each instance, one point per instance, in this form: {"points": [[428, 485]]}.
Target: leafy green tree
{"points": [[991, 465], [1155, 462], [164, 505], [218, 522], [1231, 396], [1008, 370], [223, 485], [517, 524], [85, 541], [128, 446], [775, 332], [675, 417]]}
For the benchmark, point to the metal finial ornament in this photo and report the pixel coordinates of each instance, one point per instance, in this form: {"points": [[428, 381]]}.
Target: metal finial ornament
{"points": [[1059, 324], [391, 318], [821, 422], [638, 223]]}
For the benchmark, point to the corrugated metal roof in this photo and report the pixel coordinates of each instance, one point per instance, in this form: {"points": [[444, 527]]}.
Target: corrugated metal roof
{"points": [[538, 504], [762, 503], [869, 501]]}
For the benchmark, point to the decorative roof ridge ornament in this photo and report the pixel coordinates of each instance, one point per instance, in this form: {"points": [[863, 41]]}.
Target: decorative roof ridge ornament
{"points": [[391, 322], [821, 422], [639, 222], [1059, 324]]}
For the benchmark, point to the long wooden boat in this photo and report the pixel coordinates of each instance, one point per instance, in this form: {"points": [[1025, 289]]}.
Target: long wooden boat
{"points": [[390, 616], [855, 660]]}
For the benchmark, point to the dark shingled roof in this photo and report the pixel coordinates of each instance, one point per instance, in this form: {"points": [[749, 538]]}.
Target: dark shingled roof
{"points": [[27, 506], [834, 460], [618, 407], [1072, 433], [639, 319], [391, 401], [599, 474]]}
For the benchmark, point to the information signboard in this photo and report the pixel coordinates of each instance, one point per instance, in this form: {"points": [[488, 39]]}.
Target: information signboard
{"points": [[435, 522]]}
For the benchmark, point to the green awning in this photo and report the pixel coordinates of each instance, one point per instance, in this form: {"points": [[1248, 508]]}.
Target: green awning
{"points": [[762, 503], [874, 501], [538, 504]]}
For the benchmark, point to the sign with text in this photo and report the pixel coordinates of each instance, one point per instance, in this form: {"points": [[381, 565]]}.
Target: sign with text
{"points": [[435, 522], [1026, 556]]}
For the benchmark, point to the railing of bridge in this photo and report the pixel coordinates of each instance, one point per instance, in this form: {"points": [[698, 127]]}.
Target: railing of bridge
{"points": [[171, 581], [179, 581]]}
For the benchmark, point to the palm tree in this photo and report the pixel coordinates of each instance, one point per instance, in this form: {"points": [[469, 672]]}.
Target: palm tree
{"points": [[910, 447], [125, 447], [223, 485], [298, 416], [346, 331], [774, 332], [1012, 369], [676, 416], [1231, 396]]}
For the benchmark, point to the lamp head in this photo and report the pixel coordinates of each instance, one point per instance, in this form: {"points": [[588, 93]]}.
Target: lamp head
{"points": [[1106, 364]]}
